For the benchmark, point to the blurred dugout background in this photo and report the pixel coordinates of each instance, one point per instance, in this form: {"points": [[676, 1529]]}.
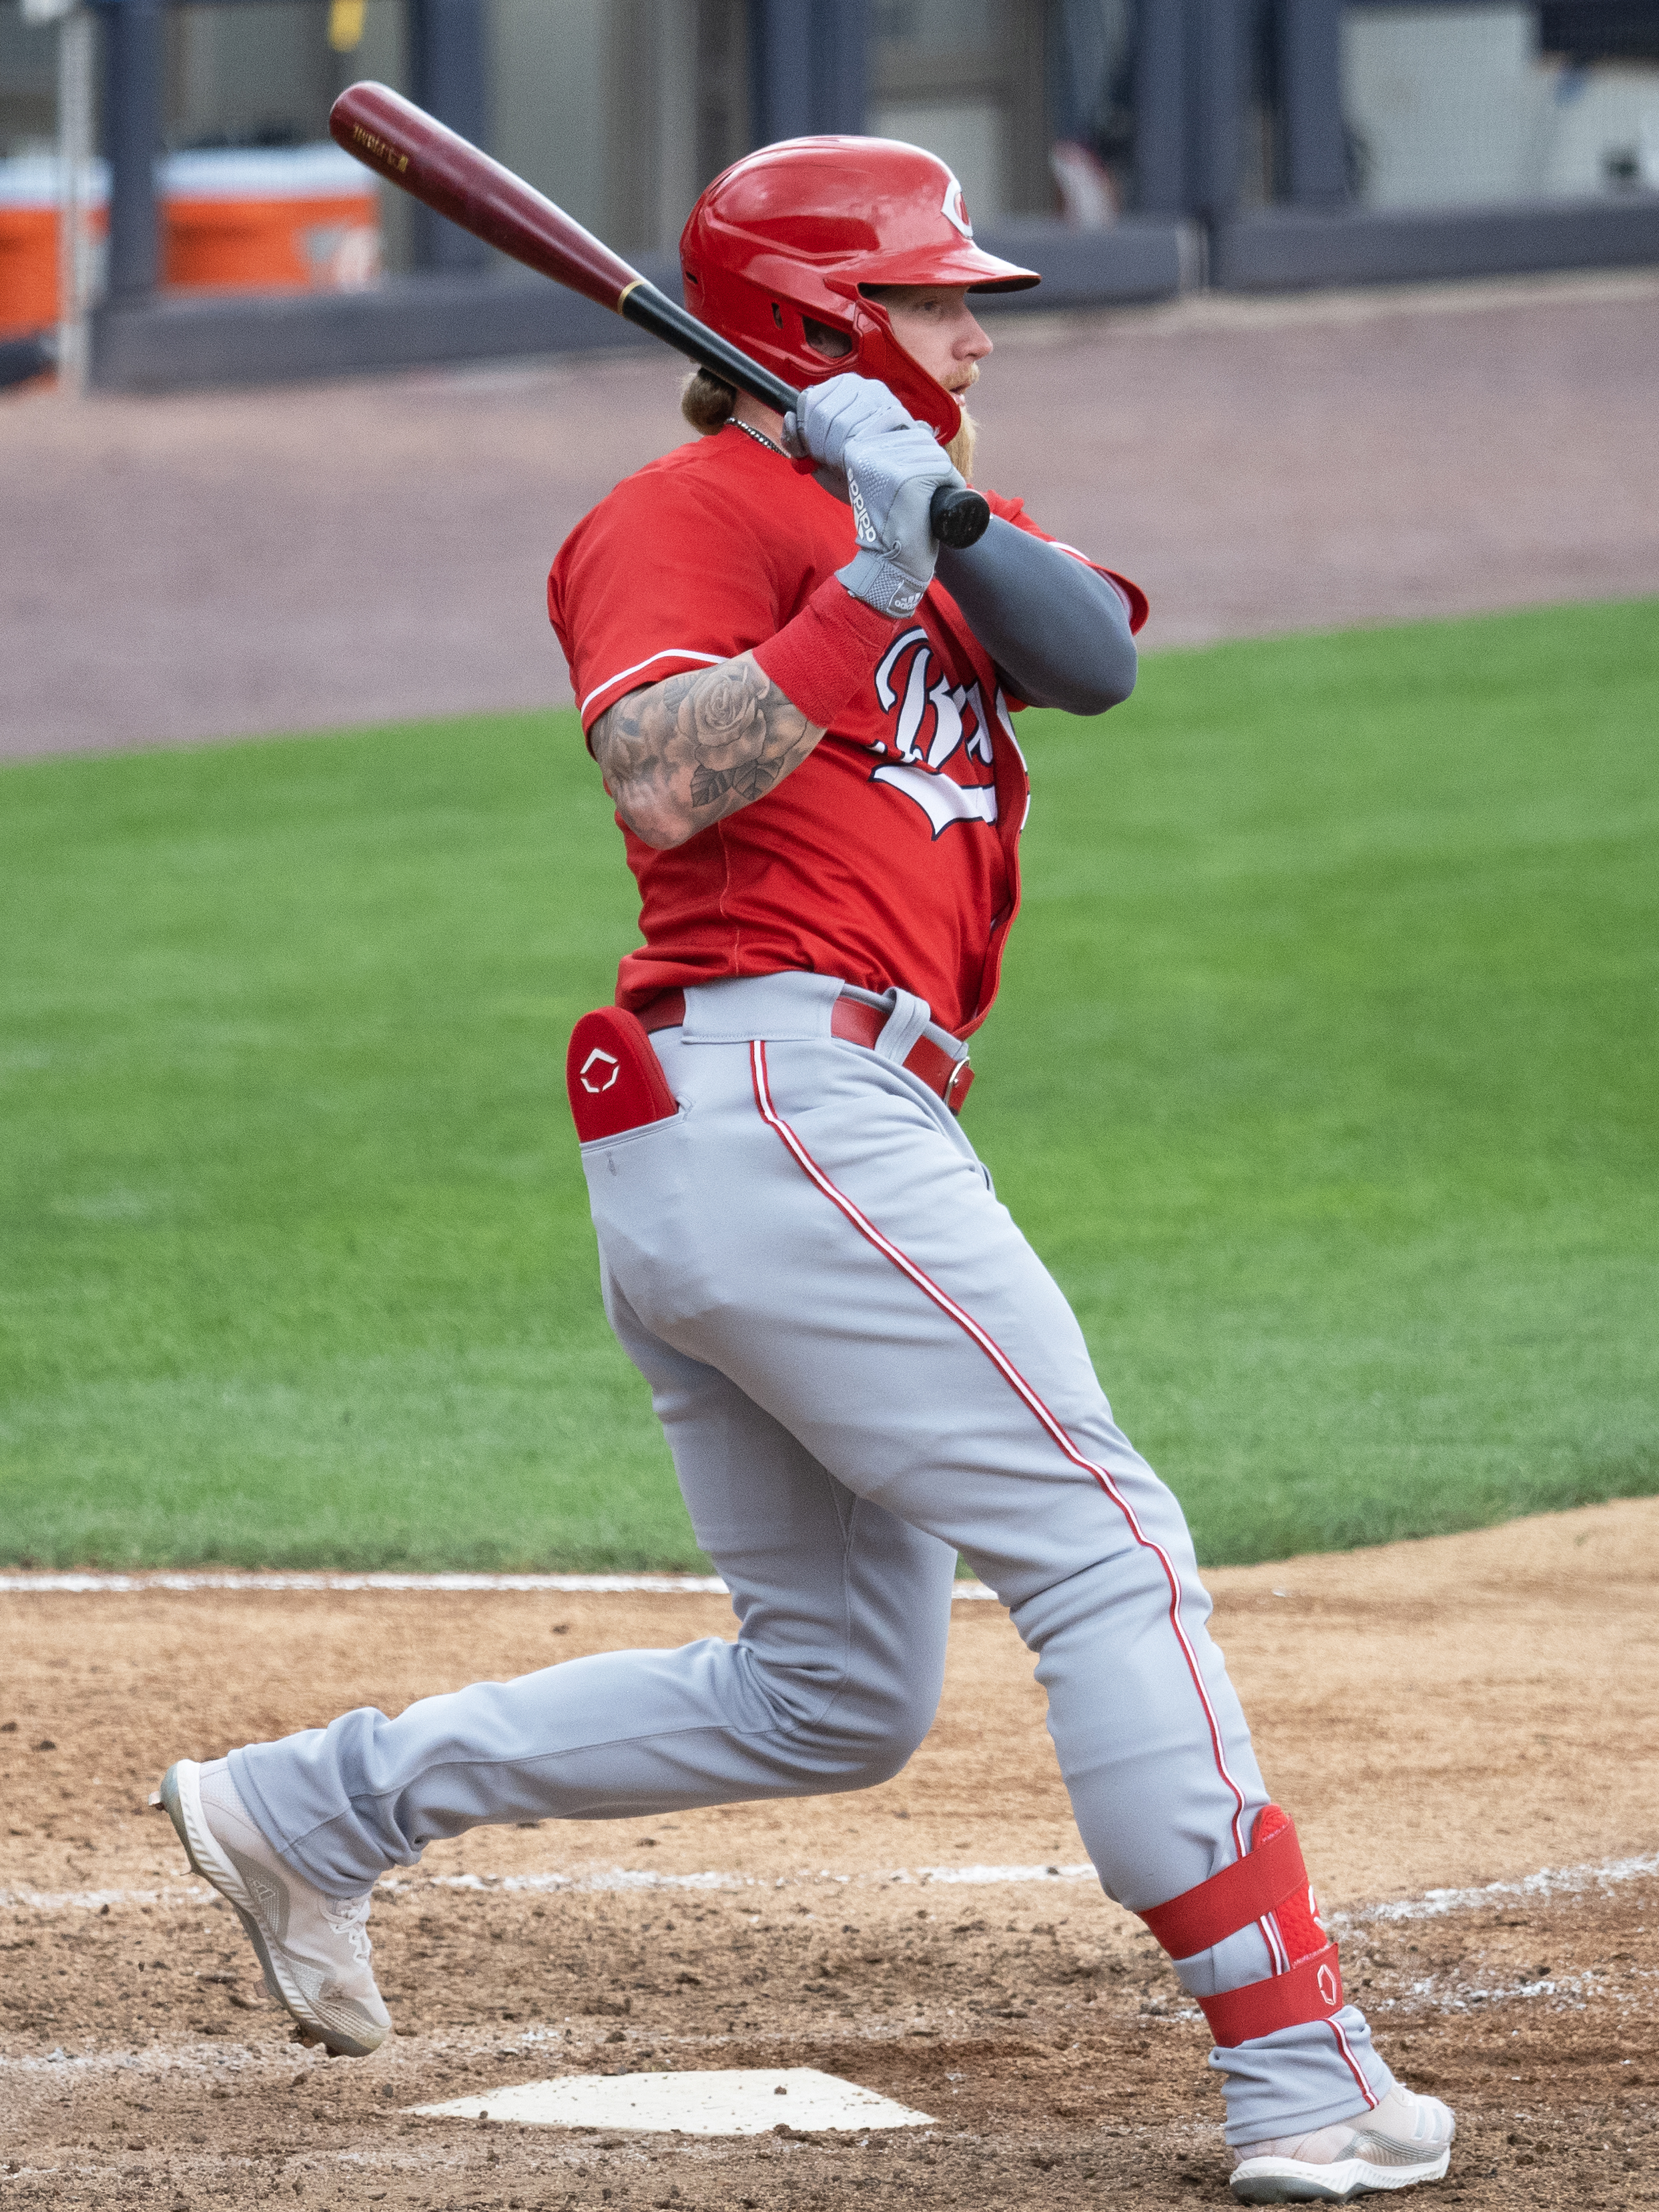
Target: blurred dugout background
{"points": [[1178, 121]]}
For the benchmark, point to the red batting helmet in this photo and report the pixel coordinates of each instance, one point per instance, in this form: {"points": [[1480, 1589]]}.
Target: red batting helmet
{"points": [[790, 237]]}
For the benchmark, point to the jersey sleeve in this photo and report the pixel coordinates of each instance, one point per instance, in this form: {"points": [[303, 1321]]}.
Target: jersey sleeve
{"points": [[1013, 510], [659, 579]]}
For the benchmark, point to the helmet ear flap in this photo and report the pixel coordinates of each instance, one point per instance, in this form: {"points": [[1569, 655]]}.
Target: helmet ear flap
{"points": [[880, 356]]}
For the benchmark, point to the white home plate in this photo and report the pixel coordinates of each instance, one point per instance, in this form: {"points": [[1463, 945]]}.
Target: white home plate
{"points": [[746, 2101]]}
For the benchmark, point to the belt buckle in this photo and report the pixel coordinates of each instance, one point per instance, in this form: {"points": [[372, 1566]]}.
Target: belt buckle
{"points": [[961, 1075]]}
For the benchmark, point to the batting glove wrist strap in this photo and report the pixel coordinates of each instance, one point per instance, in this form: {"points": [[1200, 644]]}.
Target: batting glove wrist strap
{"points": [[882, 583], [819, 660]]}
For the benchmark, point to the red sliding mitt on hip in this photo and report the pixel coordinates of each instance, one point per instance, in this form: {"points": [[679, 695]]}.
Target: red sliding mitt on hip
{"points": [[614, 1076]]}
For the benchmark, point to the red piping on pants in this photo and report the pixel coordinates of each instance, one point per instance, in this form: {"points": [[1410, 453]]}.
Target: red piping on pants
{"points": [[1023, 1389]]}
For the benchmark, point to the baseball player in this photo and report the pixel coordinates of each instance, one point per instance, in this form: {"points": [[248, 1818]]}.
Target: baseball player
{"points": [[803, 710]]}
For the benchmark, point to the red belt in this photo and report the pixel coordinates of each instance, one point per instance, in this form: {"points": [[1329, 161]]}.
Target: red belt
{"points": [[858, 1024]]}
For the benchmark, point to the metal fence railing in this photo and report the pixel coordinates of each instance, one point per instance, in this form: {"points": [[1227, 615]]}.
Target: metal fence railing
{"points": [[1133, 145]]}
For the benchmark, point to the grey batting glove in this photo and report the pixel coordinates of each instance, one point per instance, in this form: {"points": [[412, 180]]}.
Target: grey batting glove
{"points": [[828, 415], [892, 465]]}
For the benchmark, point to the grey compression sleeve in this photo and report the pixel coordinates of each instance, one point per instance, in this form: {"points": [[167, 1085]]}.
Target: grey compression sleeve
{"points": [[1057, 629]]}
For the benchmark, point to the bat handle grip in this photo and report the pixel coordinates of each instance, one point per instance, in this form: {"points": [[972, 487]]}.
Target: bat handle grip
{"points": [[958, 518]]}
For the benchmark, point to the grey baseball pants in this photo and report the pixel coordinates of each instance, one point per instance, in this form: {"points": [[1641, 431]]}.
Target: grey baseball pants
{"points": [[862, 1369]]}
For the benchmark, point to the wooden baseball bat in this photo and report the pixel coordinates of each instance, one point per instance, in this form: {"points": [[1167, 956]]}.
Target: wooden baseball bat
{"points": [[402, 142]]}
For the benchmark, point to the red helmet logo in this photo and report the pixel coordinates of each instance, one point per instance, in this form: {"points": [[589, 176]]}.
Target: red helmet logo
{"points": [[778, 252]]}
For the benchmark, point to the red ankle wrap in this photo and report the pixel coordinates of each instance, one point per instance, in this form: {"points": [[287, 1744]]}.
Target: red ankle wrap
{"points": [[1269, 1886], [819, 659]]}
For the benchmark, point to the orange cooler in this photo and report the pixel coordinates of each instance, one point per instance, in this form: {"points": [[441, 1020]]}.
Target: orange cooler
{"points": [[28, 238], [292, 219], [28, 267]]}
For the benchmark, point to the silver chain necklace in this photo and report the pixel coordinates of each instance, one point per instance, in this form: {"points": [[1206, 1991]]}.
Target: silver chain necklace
{"points": [[759, 436]]}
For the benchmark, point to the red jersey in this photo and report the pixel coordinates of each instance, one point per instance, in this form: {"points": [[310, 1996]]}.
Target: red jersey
{"points": [[891, 855]]}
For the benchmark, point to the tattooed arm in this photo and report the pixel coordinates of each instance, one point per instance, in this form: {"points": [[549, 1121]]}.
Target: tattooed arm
{"points": [[688, 751]]}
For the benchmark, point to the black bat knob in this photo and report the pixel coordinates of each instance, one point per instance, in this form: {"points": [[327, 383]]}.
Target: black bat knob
{"points": [[958, 518]]}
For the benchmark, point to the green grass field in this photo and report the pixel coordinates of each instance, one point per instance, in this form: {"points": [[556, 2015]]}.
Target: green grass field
{"points": [[1323, 1076]]}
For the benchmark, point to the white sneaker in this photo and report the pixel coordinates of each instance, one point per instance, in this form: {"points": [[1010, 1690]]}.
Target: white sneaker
{"points": [[1406, 2140], [314, 1950]]}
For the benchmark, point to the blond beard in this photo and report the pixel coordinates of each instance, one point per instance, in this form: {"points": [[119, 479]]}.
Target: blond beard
{"points": [[960, 451]]}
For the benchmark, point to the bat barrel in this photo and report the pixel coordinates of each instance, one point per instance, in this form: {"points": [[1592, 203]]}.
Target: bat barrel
{"points": [[445, 172]]}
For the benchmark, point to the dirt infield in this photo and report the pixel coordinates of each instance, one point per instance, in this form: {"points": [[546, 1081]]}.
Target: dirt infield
{"points": [[207, 566], [1443, 1715]]}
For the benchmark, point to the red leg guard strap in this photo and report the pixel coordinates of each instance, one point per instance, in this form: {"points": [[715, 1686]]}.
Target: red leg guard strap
{"points": [[1270, 1883], [1248, 1890], [1310, 1990]]}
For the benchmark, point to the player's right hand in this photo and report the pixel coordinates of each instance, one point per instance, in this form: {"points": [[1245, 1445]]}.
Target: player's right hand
{"points": [[892, 465]]}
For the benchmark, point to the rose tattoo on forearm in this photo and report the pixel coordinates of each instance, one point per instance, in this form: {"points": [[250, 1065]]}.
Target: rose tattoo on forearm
{"points": [[723, 720], [688, 751]]}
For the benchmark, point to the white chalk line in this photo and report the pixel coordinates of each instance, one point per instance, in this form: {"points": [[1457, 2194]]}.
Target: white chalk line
{"points": [[222, 2057], [600, 1882], [34, 1584], [1549, 1882], [574, 2038], [630, 1878], [1434, 1904], [1574, 1992]]}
